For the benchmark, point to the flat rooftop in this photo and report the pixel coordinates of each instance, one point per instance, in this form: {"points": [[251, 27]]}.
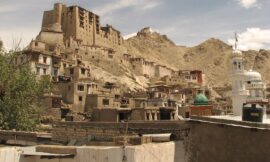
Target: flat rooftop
{"points": [[232, 120]]}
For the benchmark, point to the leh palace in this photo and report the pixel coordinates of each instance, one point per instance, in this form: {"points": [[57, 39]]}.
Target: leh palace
{"points": [[141, 99]]}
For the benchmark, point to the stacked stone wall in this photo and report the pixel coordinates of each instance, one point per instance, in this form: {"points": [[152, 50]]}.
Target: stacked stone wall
{"points": [[66, 131]]}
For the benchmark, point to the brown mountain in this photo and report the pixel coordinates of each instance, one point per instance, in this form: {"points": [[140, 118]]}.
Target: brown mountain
{"points": [[212, 56]]}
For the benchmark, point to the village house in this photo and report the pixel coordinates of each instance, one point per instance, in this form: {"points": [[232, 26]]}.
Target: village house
{"points": [[185, 76], [161, 71], [42, 62]]}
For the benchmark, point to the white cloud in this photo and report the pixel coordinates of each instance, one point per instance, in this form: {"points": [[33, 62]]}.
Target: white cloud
{"points": [[121, 4], [248, 3], [150, 5], [253, 38]]}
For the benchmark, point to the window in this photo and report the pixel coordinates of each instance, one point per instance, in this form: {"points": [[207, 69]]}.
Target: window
{"points": [[83, 71], [147, 116], [80, 87], [36, 43], [38, 70], [69, 88], [239, 65], [106, 102], [71, 71], [55, 72], [117, 96], [65, 65], [235, 65], [44, 71], [44, 60], [80, 98]]}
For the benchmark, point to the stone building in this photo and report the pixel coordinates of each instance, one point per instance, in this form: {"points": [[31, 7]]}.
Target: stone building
{"points": [[53, 107], [42, 62], [161, 71], [160, 105], [142, 67], [185, 76], [75, 93], [103, 107], [80, 26]]}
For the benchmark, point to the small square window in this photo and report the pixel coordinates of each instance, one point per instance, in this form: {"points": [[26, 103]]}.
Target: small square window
{"points": [[71, 71], [44, 60], [83, 71], [106, 102], [80, 87], [38, 70], [55, 72], [44, 71], [80, 98]]}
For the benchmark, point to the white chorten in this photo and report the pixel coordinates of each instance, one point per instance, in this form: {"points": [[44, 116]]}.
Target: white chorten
{"points": [[247, 86]]}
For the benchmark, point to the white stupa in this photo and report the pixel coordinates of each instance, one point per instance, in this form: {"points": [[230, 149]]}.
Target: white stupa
{"points": [[247, 86]]}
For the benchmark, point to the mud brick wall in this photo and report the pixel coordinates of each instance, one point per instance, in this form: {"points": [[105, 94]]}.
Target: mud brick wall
{"points": [[24, 136], [106, 131], [215, 140]]}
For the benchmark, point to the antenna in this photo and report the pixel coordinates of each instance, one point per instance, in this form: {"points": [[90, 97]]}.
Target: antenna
{"points": [[236, 41]]}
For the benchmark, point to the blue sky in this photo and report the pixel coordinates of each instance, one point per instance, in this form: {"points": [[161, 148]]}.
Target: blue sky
{"points": [[186, 22]]}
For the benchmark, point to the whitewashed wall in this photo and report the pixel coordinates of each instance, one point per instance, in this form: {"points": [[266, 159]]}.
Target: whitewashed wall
{"points": [[162, 152]]}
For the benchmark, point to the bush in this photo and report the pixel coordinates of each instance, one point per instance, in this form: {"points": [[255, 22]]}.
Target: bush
{"points": [[20, 94]]}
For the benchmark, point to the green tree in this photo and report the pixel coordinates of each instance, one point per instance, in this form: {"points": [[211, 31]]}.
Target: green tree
{"points": [[1, 45], [20, 94]]}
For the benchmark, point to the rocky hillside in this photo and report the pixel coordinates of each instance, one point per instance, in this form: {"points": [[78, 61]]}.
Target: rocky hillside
{"points": [[156, 47], [212, 56]]}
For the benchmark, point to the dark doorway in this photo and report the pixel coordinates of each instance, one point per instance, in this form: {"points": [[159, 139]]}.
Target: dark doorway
{"points": [[64, 113], [165, 115], [123, 116]]}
